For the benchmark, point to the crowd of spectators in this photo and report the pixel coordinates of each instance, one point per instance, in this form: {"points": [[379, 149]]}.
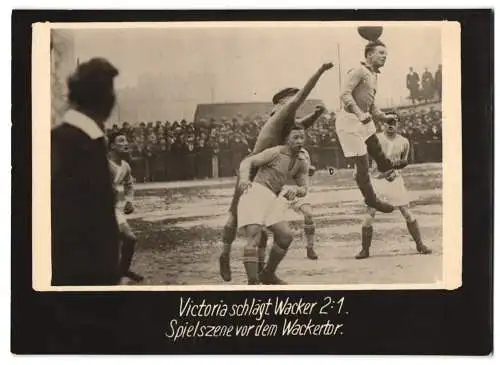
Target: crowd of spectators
{"points": [[165, 151], [426, 88]]}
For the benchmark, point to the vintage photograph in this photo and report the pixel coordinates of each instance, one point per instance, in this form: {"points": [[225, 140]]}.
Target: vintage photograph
{"points": [[256, 154]]}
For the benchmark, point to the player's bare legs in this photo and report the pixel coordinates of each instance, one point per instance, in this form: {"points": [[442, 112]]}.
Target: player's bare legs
{"points": [[309, 231], [252, 234], [282, 239], [414, 230]]}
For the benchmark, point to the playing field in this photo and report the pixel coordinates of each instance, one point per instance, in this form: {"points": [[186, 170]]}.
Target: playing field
{"points": [[179, 229]]}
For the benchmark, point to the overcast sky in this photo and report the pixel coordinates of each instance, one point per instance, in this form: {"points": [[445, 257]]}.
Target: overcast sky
{"points": [[200, 65]]}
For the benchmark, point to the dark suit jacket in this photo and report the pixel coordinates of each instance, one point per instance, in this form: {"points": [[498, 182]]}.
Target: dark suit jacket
{"points": [[85, 235]]}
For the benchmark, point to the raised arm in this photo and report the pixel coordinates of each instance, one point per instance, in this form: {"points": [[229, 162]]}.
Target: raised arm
{"points": [[377, 114], [309, 119], [302, 95], [277, 121]]}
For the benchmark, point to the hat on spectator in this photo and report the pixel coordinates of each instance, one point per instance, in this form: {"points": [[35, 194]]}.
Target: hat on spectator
{"points": [[289, 91]]}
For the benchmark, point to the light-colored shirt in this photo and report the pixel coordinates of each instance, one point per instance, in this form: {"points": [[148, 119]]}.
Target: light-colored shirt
{"points": [[360, 89], [396, 149], [122, 175], [276, 166]]}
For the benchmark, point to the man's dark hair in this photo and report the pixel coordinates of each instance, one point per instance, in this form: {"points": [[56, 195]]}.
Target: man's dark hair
{"points": [[90, 87], [370, 47], [113, 136], [295, 127], [284, 93]]}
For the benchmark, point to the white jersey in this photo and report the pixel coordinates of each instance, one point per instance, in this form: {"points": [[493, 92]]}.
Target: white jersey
{"points": [[396, 148]]}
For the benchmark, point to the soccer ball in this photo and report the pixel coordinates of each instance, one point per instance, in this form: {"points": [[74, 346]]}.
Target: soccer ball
{"points": [[370, 33]]}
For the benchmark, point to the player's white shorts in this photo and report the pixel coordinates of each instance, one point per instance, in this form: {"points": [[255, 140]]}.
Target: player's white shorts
{"points": [[259, 205], [120, 216], [353, 134], [394, 192]]}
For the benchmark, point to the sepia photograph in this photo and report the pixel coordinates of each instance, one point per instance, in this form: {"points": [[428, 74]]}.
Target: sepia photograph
{"points": [[248, 155]]}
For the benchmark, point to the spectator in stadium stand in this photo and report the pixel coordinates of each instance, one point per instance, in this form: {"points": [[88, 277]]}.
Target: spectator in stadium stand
{"points": [[149, 153], [412, 84], [160, 166], [437, 82], [224, 156], [203, 157], [169, 161], [178, 154], [190, 159], [427, 86]]}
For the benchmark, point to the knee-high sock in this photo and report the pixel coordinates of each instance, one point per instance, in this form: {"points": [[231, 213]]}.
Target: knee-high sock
{"points": [[363, 178], [309, 230], [250, 263], [229, 234], [366, 237], [414, 230], [277, 253], [127, 253]]}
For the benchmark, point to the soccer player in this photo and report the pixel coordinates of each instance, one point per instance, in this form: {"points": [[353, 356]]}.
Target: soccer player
{"points": [[121, 173], [355, 124], [282, 120], [303, 206], [261, 205], [397, 148]]}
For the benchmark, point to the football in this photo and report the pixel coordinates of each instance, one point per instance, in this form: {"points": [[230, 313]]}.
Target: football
{"points": [[370, 33]]}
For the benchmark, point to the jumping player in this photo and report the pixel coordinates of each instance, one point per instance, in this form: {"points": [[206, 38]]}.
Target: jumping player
{"points": [[122, 175], [261, 205], [355, 123], [282, 120], [397, 149]]}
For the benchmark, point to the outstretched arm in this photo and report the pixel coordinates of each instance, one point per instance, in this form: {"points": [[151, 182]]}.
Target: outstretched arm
{"points": [[302, 95], [277, 121], [309, 120], [255, 161]]}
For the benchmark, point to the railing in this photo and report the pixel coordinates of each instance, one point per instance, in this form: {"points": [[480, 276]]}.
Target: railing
{"points": [[224, 163]]}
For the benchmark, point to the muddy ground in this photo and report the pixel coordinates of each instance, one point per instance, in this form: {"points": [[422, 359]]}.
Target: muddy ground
{"points": [[179, 230]]}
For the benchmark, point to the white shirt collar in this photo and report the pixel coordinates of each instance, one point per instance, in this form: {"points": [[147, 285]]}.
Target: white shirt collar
{"points": [[84, 123]]}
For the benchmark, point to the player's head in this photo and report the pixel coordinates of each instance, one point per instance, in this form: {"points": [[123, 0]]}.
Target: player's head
{"points": [[391, 125], [296, 138], [91, 89], [118, 142], [376, 53], [282, 96]]}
